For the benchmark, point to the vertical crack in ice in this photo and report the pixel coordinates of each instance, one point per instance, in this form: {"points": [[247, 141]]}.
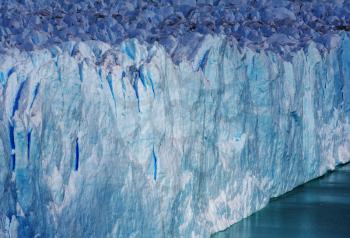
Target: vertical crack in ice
{"points": [[204, 60], [12, 146], [36, 91], [18, 95], [154, 157], [100, 76], [123, 84], [110, 83], [135, 87], [76, 167], [142, 77], [80, 65], [151, 82], [29, 137], [12, 126], [135, 78], [11, 71], [58, 70]]}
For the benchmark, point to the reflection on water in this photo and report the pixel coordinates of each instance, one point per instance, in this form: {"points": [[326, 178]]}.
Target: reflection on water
{"points": [[320, 208]]}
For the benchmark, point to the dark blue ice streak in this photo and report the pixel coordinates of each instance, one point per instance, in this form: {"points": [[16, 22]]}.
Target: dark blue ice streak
{"points": [[18, 95], [123, 84], [76, 167], [100, 77], [135, 87], [135, 74], [58, 70], [295, 116], [11, 71], [142, 77], [12, 127], [12, 146], [204, 60], [110, 83], [36, 91], [154, 157], [80, 65], [29, 138]]}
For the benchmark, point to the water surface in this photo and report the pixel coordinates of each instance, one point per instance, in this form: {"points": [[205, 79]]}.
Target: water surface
{"points": [[320, 208]]}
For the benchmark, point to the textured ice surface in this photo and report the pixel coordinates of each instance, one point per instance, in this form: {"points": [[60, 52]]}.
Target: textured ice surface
{"points": [[102, 141], [283, 26]]}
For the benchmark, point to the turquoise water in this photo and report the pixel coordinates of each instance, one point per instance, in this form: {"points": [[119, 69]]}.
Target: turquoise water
{"points": [[320, 208]]}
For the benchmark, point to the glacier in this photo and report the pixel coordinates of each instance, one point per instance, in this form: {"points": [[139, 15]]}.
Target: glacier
{"points": [[119, 141]]}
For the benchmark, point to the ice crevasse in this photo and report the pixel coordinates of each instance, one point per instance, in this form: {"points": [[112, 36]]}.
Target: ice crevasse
{"points": [[102, 141]]}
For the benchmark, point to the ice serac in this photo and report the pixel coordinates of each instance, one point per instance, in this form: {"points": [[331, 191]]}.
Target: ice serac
{"points": [[101, 141]]}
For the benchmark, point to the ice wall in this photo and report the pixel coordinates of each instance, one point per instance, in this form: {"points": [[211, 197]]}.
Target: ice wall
{"points": [[101, 141]]}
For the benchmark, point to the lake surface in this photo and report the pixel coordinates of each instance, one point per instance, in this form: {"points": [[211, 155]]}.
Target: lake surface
{"points": [[320, 208]]}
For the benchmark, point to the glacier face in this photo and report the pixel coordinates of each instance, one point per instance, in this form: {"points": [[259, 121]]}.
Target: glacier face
{"points": [[101, 141]]}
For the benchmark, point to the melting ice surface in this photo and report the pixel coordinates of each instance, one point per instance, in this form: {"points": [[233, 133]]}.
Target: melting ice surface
{"points": [[101, 141]]}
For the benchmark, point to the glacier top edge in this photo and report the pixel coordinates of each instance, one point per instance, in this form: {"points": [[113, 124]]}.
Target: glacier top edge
{"points": [[282, 26]]}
